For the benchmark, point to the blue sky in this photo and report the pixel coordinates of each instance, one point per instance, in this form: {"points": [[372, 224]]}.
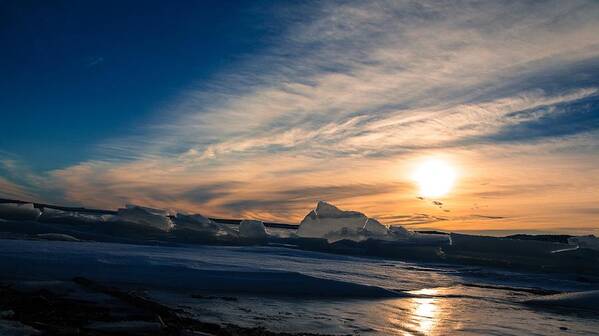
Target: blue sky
{"points": [[74, 73], [259, 109]]}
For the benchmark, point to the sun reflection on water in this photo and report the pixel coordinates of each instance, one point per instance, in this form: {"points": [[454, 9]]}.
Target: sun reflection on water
{"points": [[426, 313], [419, 315], [426, 310]]}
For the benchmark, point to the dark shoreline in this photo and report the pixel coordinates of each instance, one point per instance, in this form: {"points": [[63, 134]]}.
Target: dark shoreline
{"points": [[125, 313]]}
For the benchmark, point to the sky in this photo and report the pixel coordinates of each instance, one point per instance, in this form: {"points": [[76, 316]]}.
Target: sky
{"points": [[259, 109]]}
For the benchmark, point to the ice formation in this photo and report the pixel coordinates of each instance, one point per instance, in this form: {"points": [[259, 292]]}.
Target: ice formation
{"points": [[427, 238], [193, 222], [16, 211], [68, 217], [399, 231], [327, 218], [590, 242], [199, 223], [328, 221], [375, 228], [252, 229], [503, 246], [154, 218]]}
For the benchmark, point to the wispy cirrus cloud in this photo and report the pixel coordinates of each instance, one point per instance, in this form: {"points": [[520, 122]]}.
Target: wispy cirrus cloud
{"points": [[17, 181], [350, 93], [13, 190], [353, 71]]}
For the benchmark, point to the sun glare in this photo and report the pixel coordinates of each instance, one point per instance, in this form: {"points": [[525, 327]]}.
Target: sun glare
{"points": [[434, 177]]}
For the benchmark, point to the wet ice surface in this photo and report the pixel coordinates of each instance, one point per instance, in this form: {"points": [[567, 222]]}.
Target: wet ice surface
{"points": [[481, 314], [444, 301], [453, 306]]}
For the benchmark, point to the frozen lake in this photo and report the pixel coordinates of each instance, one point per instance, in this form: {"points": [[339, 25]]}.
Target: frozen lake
{"points": [[285, 289]]}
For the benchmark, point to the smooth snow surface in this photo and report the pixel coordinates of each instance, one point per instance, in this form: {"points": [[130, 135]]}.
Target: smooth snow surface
{"points": [[252, 229], [14, 211]]}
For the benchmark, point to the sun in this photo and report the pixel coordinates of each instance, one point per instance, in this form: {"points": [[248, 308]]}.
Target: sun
{"points": [[435, 177]]}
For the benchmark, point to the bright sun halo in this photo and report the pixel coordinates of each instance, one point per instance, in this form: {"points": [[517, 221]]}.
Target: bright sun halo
{"points": [[434, 177]]}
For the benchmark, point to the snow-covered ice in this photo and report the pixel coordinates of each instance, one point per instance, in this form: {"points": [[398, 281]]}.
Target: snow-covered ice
{"points": [[328, 221], [69, 217], [17, 211], [375, 228], [144, 216], [199, 223], [193, 222], [504, 246], [179, 269], [590, 242], [293, 290], [252, 229]]}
